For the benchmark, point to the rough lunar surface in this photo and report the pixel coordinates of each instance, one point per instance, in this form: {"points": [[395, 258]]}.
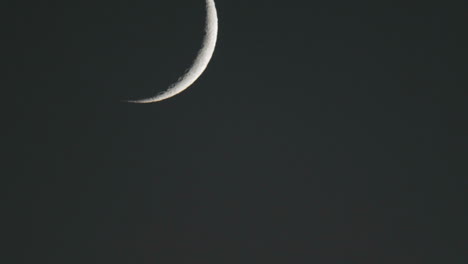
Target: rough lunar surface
{"points": [[200, 63]]}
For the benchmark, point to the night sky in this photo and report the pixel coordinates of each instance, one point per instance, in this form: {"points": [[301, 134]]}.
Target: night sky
{"points": [[322, 132]]}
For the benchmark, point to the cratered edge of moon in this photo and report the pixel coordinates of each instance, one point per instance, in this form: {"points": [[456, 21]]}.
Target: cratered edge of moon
{"points": [[199, 64]]}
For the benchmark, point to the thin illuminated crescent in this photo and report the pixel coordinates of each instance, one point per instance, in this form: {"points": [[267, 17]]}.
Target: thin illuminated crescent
{"points": [[200, 63]]}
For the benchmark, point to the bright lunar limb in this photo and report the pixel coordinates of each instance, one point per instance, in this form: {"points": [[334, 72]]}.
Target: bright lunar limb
{"points": [[200, 63]]}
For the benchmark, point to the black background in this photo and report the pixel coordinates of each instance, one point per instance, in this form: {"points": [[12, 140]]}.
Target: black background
{"points": [[321, 132]]}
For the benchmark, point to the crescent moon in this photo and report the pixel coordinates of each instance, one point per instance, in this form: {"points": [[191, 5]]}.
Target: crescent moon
{"points": [[199, 64]]}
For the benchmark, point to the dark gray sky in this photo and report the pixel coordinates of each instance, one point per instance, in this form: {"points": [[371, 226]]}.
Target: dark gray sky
{"points": [[321, 132]]}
